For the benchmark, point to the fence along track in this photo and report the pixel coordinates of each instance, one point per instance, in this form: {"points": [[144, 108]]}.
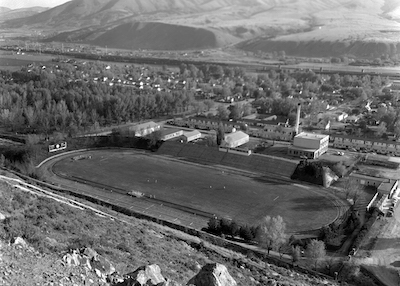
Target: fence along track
{"points": [[26, 187]]}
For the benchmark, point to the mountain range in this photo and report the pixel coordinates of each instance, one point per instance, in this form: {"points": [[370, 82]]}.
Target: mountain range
{"points": [[9, 14], [299, 27]]}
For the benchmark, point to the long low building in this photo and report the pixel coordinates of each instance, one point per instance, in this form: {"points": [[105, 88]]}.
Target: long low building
{"points": [[384, 186], [167, 134], [191, 135], [369, 144], [256, 128]]}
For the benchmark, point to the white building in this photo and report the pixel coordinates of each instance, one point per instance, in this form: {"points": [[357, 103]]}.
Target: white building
{"points": [[144, 129], [191, 135], [168, 134], [311, 145], [235, 139]]}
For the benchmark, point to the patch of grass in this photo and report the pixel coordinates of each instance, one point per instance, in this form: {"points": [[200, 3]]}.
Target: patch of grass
{"points": [[203, 189]]}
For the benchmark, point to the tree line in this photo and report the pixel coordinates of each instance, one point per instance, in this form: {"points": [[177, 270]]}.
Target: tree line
{"points": [[270, 234], [64, 97]]}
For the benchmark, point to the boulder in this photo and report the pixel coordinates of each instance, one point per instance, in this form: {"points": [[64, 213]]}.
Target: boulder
{"points": [[103, 265], [213, 274], [89, 252], [2, 217], [19, 241], [85, 262], [149, 275], [50, 241], [71, 259]]}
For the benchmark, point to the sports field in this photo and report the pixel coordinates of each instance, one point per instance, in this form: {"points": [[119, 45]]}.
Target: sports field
{"points": [[212, 190]]}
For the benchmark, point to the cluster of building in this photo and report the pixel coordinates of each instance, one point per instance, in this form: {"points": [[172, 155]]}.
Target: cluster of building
{"points": [[305, 145], [267, 129], [147, 128]]}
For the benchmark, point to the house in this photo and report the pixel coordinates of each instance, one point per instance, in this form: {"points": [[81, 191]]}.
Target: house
{"points": [[353, 118], [323, 124], [341, 116], [395, 84]]}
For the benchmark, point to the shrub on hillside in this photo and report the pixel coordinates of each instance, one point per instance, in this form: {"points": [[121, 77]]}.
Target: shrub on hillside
{"points": [[19, 227], [83, 240], [222, 226]]}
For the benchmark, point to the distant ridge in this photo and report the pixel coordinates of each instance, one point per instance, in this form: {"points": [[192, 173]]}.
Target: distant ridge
{"points": [[9, 14], [4, 10], [366, 28]]}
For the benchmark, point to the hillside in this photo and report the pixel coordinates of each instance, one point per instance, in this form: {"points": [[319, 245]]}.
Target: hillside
{"points": [[8, 14], [298, 27], [53, 229], [4, 9]]}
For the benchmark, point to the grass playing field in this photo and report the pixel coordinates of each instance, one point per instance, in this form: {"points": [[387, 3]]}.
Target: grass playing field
{"points": [[213, 190]]}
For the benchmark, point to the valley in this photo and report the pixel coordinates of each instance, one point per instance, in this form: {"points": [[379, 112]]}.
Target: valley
{"points": [[260, 134]]}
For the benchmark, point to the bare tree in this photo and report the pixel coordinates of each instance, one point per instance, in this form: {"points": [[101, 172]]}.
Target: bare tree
{"points": [[272, 233], [352, 189], [296, 254], [316, 251]]}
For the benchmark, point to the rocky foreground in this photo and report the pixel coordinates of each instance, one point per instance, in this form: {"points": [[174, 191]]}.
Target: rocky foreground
{"points": [[21, 264], [46, 242]]}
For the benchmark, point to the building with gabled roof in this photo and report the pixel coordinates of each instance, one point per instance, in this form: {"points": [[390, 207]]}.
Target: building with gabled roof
{"points": [[144, 129], [235, 139], [191, 135]]}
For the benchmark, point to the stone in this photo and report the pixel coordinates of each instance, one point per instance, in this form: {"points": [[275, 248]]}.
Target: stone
{"points": [[85, 262], [71, 259], [90, 253], [103, 265], [20, 241], [51, 241], [171, 283], [149, 275], [213, 274]]}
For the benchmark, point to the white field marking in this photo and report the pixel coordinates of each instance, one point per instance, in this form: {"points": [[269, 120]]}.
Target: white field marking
{"points": [[149, 207], [276, 198], [53, 195], [301, 186], [103, 159], [25, 189]]}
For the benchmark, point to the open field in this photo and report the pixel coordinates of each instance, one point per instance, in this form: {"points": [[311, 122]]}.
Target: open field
{"points": [[14, 62], [211, 190]]}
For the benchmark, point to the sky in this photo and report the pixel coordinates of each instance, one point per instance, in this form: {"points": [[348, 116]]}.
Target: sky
{"points": [[16, 4]]}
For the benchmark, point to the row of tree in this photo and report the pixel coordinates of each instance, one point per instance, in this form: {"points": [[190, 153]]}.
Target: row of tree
{"points": [[269, 234]]}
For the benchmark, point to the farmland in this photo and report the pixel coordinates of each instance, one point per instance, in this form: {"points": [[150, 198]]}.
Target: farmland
{"points": [[13, 62], [231, 194]]}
